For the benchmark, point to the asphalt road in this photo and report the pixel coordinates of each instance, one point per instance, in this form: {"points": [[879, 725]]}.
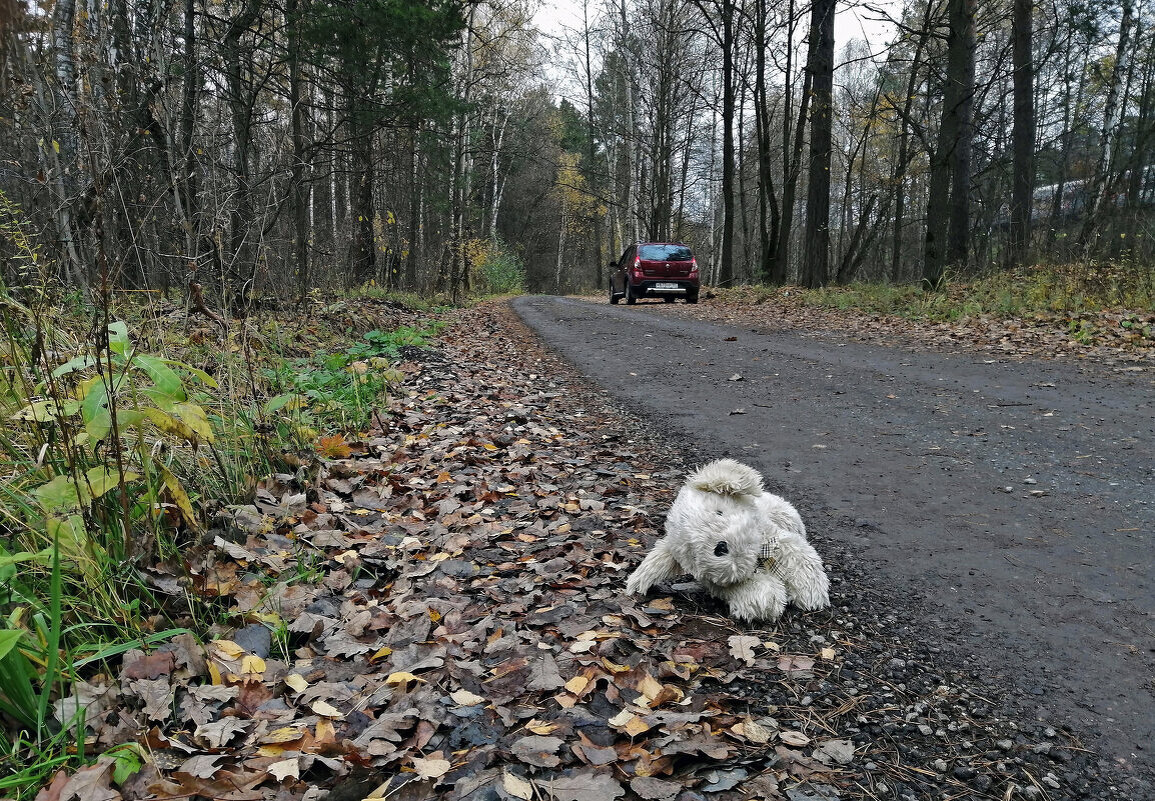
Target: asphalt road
{"points": [[1016, 497]]}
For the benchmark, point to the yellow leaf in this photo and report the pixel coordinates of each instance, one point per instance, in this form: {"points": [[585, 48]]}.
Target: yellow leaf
{"points": [[252, 664], [325, 732], [650, 687], [381, 654], [614, 667], [296, 681], [577, 684], [325, 709], [542, 727], [227, 649], [636, 727], [466, 698], [285, 734], [168, 424], [56, 146], [196, 419], [179, 498], [402, 677], [622, 718], [827, 653]]}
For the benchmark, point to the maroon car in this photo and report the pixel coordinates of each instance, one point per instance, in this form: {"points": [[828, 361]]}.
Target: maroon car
{"points": [[664, 270]]}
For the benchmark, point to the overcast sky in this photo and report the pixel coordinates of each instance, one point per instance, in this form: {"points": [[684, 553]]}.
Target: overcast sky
{"points": [[554, 15]]}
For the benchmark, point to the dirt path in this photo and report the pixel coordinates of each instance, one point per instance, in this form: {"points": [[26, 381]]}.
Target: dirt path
{"points": [[1012, 500]]}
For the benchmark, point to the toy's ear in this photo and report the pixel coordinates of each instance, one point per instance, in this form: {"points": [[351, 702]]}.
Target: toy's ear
{"points": [[722, 548]]}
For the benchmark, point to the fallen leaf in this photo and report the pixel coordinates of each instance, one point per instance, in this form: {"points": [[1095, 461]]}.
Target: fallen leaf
{"points": [[653, 789], [431, 768], [325, 709], [754, 732], [466, 698], [285, 769], [585, 786], [516, 786], [226, 649], [742, 647], [792, 663], [403, 678], [285, 734], [296, 682], [795, 738], [202, 766], [840, 752], [216, 735], [542, 727], [538, 751], [90, 783]]}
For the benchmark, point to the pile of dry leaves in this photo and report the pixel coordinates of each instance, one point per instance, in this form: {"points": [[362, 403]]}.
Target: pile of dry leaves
{"points": [[442, 615]]}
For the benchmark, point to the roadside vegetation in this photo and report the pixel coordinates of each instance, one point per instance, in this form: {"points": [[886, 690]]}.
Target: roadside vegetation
{"points": [[1109, 305], [128, 424]]}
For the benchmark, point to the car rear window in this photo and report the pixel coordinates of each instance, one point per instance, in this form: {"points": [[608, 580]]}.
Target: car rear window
{"points": [[664, 253]]}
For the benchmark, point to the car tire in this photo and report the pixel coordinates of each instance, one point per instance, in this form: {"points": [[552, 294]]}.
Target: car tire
{"points": [[669, 298], [614, 297], [631, 298], [692, 298]]}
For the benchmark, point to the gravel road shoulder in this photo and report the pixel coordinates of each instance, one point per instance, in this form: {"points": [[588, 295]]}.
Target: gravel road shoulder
{"points": [[990, 517]]}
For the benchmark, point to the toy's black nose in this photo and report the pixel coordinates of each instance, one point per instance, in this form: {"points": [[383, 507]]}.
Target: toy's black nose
{"points": [[721, 549]]}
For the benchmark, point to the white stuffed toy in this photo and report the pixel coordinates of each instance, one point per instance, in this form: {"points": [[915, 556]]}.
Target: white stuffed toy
{"points": [[743, 544]]}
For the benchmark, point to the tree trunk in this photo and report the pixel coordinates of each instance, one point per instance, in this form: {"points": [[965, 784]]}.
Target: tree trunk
{"points": [[298, 195], [726, 263], [961, 66], [792, 156], [769, 217], [905, 151], [363, 258], [242, 99], [1111, 113], [1023, 133], [943, 210], [816, 261], [62, 152]]}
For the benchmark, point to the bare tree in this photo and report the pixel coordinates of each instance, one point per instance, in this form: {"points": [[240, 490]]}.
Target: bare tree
{"points": [[820, 65]]}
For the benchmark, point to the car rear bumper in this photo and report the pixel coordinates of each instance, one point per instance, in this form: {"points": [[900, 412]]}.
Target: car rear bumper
{"points": [[665, 286]]}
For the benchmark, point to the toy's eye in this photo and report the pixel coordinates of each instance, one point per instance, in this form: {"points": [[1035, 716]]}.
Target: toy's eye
{"points": [[721, 549], [718, 512]]}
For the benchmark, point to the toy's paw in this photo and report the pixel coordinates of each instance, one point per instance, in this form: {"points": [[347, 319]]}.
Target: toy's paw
{"points": [[761, 598], [634, 584], [812, 597]]}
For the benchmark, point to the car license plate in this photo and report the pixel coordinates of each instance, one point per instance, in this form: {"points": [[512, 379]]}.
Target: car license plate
{"points": [[666, 286]]}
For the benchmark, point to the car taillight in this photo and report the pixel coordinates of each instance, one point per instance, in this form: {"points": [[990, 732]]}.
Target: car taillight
{"points": [[693, 268], [638, 266]]}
